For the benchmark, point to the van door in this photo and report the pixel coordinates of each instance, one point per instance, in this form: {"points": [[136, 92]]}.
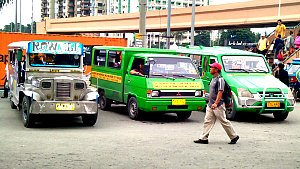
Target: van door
{"points": [[207, 60]]}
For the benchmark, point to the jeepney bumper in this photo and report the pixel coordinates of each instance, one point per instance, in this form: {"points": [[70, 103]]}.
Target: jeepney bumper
{"points": [[64, 107], [177, 105]]}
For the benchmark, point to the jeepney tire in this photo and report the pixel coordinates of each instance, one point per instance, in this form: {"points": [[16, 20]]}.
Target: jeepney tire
{"points": [[90, 119], [280, 116], [28, 118], [231, 111], [133, 109], [182, 116], [12, 105], [105, 104]]}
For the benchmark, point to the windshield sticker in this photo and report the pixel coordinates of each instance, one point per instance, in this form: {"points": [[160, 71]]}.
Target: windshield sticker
{"points": [[177, 85], [55, 47], [107, 77]]}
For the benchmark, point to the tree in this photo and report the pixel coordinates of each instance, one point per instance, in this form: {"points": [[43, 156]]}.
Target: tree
{"points": [[245, 35], [178, 35], [25, 28], [203, 38], [3, 3]]}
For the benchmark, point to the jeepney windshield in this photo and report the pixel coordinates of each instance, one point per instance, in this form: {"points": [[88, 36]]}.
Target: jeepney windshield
{"points": [[54, 60], [293, 69], [172, 67], [244, 64]]}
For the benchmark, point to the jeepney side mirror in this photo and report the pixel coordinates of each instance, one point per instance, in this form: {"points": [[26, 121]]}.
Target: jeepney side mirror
{"points": [[19, 55], [200, 70], [146, 69]]}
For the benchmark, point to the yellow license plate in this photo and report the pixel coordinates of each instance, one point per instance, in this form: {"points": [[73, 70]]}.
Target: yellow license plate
{"points": [[273, 104], [178, 101], [65, 106]]}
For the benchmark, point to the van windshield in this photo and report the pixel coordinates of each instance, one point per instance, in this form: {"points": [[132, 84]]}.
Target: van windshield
{"points": [[293, 69], [54, 60], [244, 64], [172, 67]]}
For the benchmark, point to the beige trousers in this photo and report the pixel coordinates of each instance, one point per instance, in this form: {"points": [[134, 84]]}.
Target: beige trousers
{"points": [[210, 118]]}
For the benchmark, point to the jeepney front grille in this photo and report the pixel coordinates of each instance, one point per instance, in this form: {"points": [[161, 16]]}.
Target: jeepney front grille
{"points": [[271, 94], [63, 90], [177, 94]]}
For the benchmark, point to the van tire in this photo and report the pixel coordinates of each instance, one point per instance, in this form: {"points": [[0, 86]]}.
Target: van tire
{"points": [[280, 116], [133, 109], [231, 111], [28, 118], [182, 116], [104, 103], [89, 119]]}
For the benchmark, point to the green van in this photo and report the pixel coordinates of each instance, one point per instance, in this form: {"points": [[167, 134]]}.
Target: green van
{"points": [[168, 83], [254, 88]]}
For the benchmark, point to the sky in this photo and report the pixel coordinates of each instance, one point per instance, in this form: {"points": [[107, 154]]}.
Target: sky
{"points": [[7, 14]]}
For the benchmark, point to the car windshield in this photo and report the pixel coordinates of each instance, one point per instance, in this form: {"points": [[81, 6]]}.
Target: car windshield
{"points": [[54, 60], [293, 69], [172, 67], [244, 64]]}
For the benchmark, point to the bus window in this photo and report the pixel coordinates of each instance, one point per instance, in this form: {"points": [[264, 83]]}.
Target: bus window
{"points": [[114, 59], [100, 57]]}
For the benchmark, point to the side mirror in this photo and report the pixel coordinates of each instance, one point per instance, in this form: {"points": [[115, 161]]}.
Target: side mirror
{"points": [[146, 69], [19, 55], [200, 70]]}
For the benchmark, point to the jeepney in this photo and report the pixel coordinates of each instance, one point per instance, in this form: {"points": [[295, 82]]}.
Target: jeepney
{"points": [[169, 84], [45, 77], [254, 88]]}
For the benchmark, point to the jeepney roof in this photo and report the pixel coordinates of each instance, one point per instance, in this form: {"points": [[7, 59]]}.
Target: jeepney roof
{"points": [[136, 49], [216, 50], [155, 55], [20, 44]]}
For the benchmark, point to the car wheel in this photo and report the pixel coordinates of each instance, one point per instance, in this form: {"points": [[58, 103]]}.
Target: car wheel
{"points": [[90, 119], [105, 104], [28, 118], [280, 116], [133, 109], [182, 116], [231, 110]]}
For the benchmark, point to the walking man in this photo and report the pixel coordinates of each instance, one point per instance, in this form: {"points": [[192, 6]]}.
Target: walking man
{"points": [[216, 108], [280, 29]]}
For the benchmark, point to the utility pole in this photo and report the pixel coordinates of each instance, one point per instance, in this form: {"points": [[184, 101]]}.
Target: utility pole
{"points": [[193, 24], [16, 17], [142, 26], [31, 17], [169, 24], [20, 16], [279, 6]]}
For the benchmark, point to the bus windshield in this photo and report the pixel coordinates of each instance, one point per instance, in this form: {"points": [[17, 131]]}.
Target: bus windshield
{"points": [[244, 64], [172, 67], [54, 60]]}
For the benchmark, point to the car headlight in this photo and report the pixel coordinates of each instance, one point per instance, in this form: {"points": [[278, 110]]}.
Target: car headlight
{"points": [[35, 83], [199, 93], [152, 93], [46, 85], [290, 93], [79, 86], [244, 93]]}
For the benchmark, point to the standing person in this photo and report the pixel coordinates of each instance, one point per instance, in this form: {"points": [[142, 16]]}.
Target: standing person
{"points": [[282, 74], [289, 46], [280, 29], [297, 41], [216, 108], [263, 45], [278, 45]]}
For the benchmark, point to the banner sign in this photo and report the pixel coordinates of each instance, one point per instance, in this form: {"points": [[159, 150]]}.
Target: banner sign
{"points": [[55, 47]]}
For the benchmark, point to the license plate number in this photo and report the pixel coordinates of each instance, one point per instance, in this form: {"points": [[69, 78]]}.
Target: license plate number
{"points": [[65, 106], [273, 104], [178, 101]]}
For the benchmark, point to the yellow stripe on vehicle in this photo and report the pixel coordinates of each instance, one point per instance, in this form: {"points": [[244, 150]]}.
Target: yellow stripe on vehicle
{"points": [[107, 77]]}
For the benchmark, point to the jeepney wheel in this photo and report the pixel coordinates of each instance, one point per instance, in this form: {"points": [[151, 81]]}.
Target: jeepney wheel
{"points": [[12, 105], [280, 116], [182, 116], [105, 104], [132, 108], [28, 118], [90, 119], [231, 110]]}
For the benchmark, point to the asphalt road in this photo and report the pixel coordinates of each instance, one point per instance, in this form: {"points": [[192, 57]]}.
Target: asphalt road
{"points": [[158, 141]]}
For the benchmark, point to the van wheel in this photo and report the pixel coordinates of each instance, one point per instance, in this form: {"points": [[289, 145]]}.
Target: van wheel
{"points": [[182, 116], [12, 105], [90, 119], [231, 110], [280, 116], [105, 104], [132, 108], [28, 118]]}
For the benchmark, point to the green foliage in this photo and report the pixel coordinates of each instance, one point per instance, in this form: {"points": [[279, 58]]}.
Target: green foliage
{"points": [[3, 3], [245, 35], [25, 28], [203, 38]]}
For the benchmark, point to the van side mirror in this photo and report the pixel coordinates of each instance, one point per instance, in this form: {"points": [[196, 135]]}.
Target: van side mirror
{"points": [[200, 70], [146, 69], [19, 55]]}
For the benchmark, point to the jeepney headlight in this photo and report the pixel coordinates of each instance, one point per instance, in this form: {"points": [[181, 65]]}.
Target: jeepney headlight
{"points": [[79, 86], [35, 83], [152, 93], [46, 85], [198, 93], [290, 93], [244, 93]]}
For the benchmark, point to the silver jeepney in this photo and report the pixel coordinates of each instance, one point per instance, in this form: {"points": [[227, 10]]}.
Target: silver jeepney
{"points": [[49, 87]]}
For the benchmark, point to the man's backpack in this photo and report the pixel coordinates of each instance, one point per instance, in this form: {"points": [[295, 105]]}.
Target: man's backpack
{"points": [[226, 95]]}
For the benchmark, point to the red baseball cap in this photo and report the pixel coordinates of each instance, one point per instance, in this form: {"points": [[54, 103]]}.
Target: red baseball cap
{"points": [[216, 65]]}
